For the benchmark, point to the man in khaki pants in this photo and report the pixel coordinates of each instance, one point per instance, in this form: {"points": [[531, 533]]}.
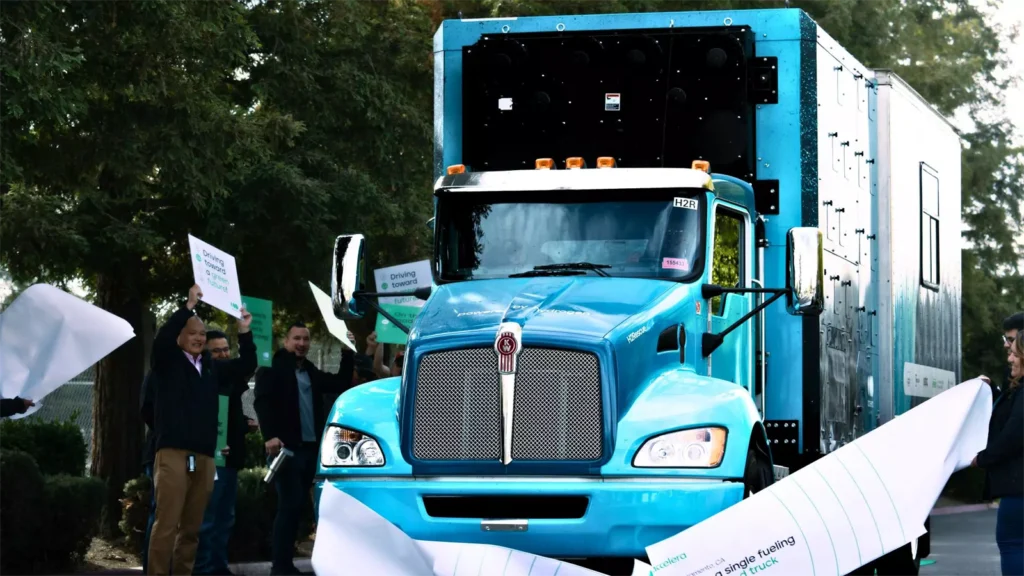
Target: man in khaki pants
{"points": [[185, 409]]}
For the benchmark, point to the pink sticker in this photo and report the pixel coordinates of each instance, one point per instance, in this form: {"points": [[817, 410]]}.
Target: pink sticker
{"points": [[676, 264]]}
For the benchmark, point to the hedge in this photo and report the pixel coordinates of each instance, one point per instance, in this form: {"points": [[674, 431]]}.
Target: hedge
{"points": [[57, 447], [48, 522]]}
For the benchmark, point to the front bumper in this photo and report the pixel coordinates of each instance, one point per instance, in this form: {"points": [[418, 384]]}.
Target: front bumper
{"points": [[622, 516]]}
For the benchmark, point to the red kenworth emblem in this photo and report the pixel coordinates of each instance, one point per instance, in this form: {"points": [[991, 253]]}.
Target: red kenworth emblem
{"points": [[506, 347]]}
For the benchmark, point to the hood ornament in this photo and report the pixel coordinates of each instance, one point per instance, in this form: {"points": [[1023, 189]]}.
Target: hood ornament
{"points": [[508, 345]]}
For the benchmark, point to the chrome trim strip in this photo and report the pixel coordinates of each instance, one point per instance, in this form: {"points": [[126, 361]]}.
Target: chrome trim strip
{"points": [[508, 396], [504, 525]]}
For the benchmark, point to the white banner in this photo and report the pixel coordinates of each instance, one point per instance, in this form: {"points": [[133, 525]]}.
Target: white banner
{"points": [[856, 504], [215, 272], [335, 325], [850, 507], [48, 337]]}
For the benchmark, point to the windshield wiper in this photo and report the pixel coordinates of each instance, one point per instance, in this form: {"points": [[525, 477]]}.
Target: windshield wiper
{"points": [[574, 269]]}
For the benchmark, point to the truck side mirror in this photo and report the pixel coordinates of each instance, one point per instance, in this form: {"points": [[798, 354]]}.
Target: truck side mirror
{"points": [[805, 272], [346, 276]]}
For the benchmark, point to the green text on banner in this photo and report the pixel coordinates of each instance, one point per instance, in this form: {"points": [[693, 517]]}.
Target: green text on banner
{"points": [[400, 278], [262, 327]]}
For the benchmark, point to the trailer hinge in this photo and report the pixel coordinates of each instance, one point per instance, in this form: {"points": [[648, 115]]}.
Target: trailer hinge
{"points": [[764, 80], [766, 196]]}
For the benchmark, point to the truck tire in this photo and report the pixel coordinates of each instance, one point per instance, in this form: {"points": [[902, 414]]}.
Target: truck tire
{"points": [[758, 474]]}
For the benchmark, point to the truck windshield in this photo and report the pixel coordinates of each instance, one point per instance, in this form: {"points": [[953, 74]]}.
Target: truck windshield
{"points": [[624, 233]]}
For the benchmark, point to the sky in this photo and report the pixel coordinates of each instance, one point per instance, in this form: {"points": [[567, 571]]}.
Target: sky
{"points": [[1007, 16]]}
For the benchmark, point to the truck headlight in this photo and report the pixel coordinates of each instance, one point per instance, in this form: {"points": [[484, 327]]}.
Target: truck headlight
{"points": [[344, 447], [693, 448]]}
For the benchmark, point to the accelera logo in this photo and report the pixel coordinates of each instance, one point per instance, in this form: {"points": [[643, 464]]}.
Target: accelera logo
{"points": [[639, 332], [670, 561]]}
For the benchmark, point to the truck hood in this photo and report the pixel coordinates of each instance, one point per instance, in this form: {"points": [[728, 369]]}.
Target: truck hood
{"points": [[586, 306]]}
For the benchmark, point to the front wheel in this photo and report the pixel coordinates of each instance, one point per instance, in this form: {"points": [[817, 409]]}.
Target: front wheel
{"points": [[758, 474]]}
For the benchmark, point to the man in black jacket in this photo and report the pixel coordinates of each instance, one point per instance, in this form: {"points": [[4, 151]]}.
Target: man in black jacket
{"points": [[185, 406], [16, 405], [212, 555], [290, 405]]}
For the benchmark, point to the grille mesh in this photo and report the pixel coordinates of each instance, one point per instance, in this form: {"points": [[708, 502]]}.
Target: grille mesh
{"points": [[558, 415]]}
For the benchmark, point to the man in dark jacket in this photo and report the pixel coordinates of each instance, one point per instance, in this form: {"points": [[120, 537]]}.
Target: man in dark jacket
{"points": [[16, 405], [290, 405], [212, 555], [185, 406]]}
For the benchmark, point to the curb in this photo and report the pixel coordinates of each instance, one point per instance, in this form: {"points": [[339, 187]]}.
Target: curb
{"points": [[946, 510]]}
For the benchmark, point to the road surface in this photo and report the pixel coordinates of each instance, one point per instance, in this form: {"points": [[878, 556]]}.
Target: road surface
{"points": [[964, 544]]}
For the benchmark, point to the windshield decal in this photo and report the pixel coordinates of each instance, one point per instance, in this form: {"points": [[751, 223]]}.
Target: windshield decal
{"points": [[676, 264], [688, 203]]}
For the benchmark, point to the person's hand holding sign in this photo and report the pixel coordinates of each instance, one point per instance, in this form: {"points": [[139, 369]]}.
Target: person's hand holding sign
{"points": [[245, 322], [194, 294]]}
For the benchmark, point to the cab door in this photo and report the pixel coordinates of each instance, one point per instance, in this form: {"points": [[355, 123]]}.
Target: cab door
{"points": [[731, 261]]}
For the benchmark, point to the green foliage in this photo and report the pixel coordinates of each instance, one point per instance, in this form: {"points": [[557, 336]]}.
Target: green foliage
{"points": [[48, 522], [57, 447], [255, 450], [20, 499], [73, 506], [138, 494]]}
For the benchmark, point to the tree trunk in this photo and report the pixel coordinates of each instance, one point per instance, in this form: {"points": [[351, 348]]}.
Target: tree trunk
{"points": [[118, 430]]}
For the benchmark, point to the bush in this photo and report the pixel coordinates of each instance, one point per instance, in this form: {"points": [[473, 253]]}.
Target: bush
{"points": [[20, 499], [57, 447], [138, 495], [254, 515], [48, 522], [255, 451], [71, 517]]}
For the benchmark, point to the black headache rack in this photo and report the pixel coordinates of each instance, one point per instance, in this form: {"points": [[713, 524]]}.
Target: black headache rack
{"points": [[648, 98]]}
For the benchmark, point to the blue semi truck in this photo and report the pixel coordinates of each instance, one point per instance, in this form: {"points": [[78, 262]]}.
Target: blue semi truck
{"points": [[676, 256]]}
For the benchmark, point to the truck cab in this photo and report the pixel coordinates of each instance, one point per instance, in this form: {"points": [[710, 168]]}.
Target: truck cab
{"points": [[560, 394]]}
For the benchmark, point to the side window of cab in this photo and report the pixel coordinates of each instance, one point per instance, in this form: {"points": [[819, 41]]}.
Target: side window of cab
{"points": [[727, 257]]}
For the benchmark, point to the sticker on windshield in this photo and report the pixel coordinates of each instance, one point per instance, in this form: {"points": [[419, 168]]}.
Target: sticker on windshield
{"points": [[688, 203], [675, 264]]}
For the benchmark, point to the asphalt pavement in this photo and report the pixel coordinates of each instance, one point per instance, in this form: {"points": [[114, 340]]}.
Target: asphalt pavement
{"points": [[963, 544]]}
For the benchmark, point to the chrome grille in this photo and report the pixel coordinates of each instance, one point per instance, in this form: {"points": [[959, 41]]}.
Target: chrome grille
{"points": [[558, 408]]}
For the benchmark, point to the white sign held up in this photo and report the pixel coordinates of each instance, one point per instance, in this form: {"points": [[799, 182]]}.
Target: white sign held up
{"points": [[215, 273]]}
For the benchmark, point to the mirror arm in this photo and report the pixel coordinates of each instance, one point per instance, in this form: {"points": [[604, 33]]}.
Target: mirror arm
{"points": [[364, 296], [709, 291], [419, 293], [710, 342]]}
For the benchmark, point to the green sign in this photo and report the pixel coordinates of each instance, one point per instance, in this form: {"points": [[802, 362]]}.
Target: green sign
{"points": [[262, 328], [387, 332], [222, 432]]}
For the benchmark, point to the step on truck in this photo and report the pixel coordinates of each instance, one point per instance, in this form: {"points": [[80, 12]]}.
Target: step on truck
{"points": [[676, 256]]}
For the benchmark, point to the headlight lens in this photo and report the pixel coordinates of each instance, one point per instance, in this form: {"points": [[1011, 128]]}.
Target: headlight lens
{"points": [[344, 447], [694, 448]]}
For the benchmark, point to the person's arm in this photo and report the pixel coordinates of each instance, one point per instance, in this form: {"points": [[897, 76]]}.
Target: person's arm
{"points": [[238, 370], [379, 368], [1009, 442], [264, 404], [12, 406], [165, 344], [342, 380]]}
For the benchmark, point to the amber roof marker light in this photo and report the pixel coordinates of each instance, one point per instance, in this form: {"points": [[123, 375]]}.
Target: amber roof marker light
{"points": [[702, 165], [606, 162], [575, 163], [456, 169], [545, 164]]}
